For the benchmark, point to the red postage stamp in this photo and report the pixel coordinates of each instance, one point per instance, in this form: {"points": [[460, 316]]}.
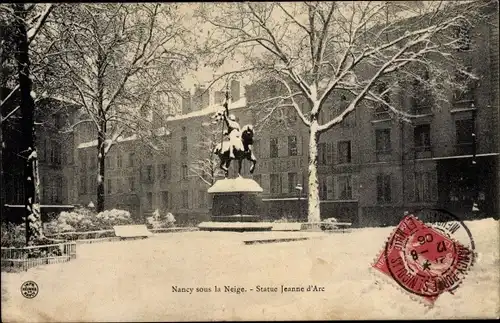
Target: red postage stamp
{"points": [[424, 260]]}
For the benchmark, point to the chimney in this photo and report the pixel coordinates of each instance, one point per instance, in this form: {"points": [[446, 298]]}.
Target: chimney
{"points": [[186, 102], [206, 98], [201, 98], [220, 97], [235, 90]]}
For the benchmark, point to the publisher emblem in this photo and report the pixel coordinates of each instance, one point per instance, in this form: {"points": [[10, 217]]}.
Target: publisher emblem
{"points": [[29, 289]]}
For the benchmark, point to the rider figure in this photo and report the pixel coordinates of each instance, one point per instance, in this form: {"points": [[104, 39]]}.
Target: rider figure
{"points": [[234, 132]]}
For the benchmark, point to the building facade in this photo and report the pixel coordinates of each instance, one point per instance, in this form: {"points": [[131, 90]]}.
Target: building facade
{"points": [[55, 148], [372, 167]]}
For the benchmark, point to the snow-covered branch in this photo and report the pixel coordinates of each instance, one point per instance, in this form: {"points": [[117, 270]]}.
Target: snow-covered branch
{"points": [[39, 21], [9, 95], [11, 113], [72, 127]]}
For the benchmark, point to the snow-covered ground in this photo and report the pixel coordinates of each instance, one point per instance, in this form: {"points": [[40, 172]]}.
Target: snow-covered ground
{"points": [[132, 280]]}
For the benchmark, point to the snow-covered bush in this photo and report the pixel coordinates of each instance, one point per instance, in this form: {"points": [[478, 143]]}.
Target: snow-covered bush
{"points": [[13, 235], [77, 220], [82, 220], [109, 218], [161, 220]]}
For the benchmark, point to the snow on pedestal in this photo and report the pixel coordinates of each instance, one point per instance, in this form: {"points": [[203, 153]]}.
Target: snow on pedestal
{"points": [[236, 200], [234, 185]]}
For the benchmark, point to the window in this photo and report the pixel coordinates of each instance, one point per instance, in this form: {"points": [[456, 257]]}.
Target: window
{"points": [[58, 121], [383, 140], [185, 197], [119, 160], [422, 137], [383, 188], [349, 121], [291, 115], [149, 173], [111, 161], [292, 182], [322, 117], [110, 186], [107, 161], [275, 180], [464, 130], [83, 159], [93, 182], [463, 34], [55, 153], [425, 187], [202, 198], [119, 185], [93, 162], [42, 150], [60, 185], [323, 188], [421, 95], [467, 86], [256, 148], [184, 145], [131, 184], [56, 192], [322, 153], [165, 171], [83, 185], [184, 172], [345, 187], [131, 159], [382, 90], [44, 189], [165, 200], [49, 192], [273, 147], [292, 145], [344, 152], [149, 200]]}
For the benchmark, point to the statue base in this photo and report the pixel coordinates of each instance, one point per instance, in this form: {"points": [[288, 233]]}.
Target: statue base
{"points": [[236, 200]]}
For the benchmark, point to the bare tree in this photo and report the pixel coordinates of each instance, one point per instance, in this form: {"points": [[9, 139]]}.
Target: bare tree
{"points": [[205, 164], [24, 22], [121, 63], [35, 17], [364, 51]]}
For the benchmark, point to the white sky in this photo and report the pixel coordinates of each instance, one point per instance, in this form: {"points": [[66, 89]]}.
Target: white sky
{"points": [[205, 74]]}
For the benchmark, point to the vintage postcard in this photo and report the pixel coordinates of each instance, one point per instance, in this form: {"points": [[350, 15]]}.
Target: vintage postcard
{"points": [[249, 161]]}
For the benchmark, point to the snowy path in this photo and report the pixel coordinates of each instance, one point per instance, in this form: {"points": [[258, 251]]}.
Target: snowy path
{"points": [[132, 280]]}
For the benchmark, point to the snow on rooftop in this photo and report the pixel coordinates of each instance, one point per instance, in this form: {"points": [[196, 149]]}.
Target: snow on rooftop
{"points": [[242, 102], [93, 143]]}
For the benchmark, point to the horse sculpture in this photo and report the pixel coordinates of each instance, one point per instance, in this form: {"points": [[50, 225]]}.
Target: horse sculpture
{"points": [[223, 151]]}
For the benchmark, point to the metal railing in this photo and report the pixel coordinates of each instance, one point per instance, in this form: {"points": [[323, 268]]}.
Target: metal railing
{"points": [[28, 257]]}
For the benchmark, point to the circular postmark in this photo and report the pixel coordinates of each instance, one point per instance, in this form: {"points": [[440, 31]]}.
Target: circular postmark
{"points": [[29, 289], [429, 253]]}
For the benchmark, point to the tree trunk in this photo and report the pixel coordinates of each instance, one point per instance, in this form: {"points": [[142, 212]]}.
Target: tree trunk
{"points": [[313, 212], [100, 171], [101, 133], [31, 181], [2, 177]]}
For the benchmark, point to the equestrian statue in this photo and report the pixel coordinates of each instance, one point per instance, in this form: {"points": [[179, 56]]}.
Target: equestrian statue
{"points": [[237, 144]]}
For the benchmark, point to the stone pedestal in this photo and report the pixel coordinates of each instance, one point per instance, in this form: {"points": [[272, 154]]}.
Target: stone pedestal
{"points": [[236, 200]]}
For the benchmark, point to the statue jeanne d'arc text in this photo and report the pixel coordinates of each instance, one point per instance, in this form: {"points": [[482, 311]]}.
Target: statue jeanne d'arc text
{"points": [[236, 143]]}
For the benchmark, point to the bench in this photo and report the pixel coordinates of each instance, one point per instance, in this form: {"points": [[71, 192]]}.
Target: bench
{"points": [[131, 231], [328, 226]]}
